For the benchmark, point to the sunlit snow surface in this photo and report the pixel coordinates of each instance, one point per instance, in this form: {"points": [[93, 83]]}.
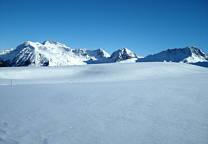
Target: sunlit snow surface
{"points": [[130, 103]]}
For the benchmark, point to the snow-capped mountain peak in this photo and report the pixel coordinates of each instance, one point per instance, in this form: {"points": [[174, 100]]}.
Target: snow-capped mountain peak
{"points": [[50, 53], [196, 51], [27, 44], [98, 54], [41, 54], [53, 43], [102, 53], [187, 55], [122, 54]]}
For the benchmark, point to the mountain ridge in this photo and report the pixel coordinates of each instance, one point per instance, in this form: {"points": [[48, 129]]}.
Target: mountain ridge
{"points": [[51, 53], [189, 54]]}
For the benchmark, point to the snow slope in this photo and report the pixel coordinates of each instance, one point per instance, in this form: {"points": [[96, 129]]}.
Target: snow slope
{"points": [[135, 103]]}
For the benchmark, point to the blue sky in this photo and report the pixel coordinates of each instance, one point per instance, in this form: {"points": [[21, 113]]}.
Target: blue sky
{"points": [[144, 26]]}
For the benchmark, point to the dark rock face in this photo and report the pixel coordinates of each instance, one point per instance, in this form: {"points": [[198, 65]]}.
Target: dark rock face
{"points": [[2, 63], [203, 64]]}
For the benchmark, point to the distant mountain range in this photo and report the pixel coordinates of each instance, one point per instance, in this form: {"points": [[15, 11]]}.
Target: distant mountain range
{"points": [[50, 53]]}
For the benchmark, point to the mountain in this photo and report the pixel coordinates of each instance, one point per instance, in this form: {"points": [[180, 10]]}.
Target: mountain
{"points": [[50, 53], [98, 54], [185, 55], [93, 56], [122, 54]]}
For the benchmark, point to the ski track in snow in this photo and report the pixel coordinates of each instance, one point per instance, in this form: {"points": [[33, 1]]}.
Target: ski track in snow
{"points": [[160, 103]]}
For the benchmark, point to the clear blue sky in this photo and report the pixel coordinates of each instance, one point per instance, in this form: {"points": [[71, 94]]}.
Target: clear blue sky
{"points": [[144, 26]]}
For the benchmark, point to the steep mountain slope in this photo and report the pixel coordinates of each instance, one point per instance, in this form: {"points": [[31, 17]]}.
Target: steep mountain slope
{"points": [[98, 54], [122, 54], [186, 55], [35, 53]]}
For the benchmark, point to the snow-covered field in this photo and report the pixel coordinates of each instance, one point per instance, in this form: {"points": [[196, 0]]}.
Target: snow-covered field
{"points": [[129, 103]]}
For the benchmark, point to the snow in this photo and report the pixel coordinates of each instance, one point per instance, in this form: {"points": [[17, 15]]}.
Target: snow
{"points": [[122, 54], [131, 60], [6, 51], [136, 103], [185, 55], [50, 53]]}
